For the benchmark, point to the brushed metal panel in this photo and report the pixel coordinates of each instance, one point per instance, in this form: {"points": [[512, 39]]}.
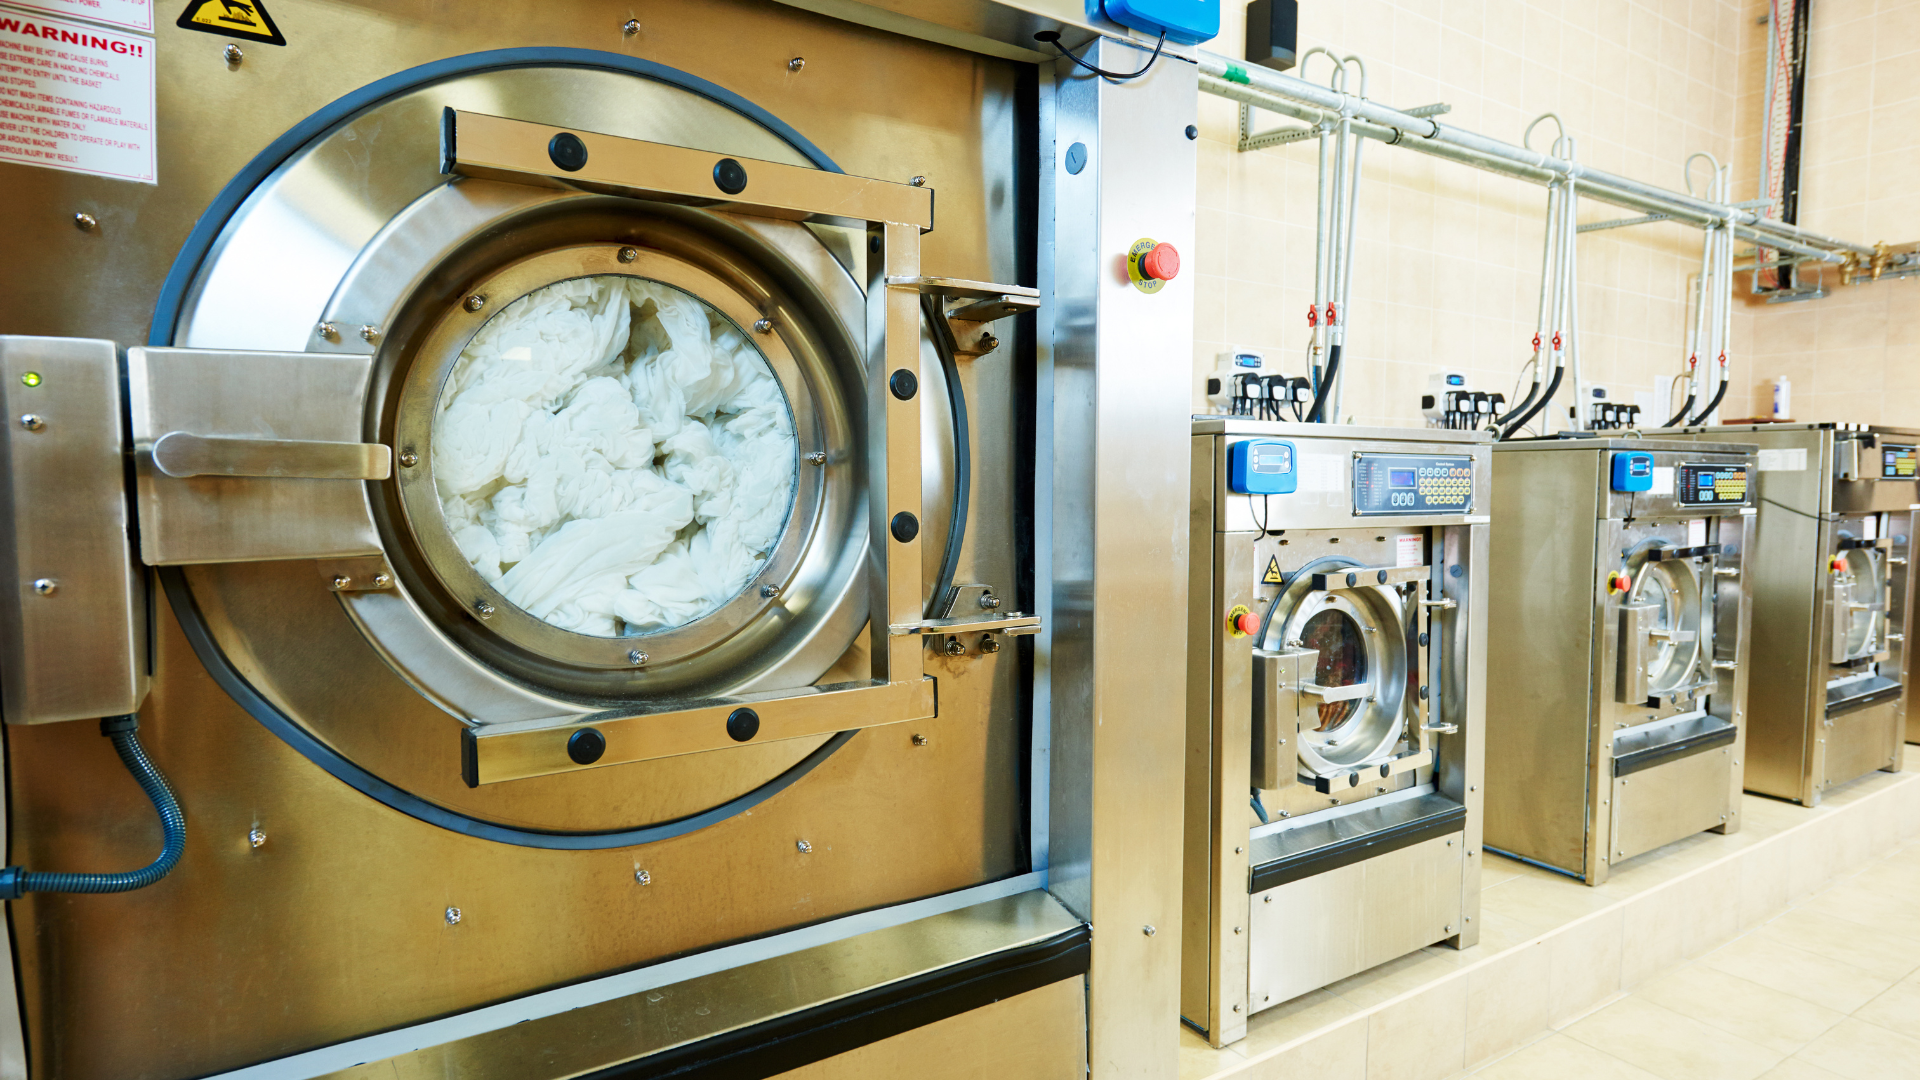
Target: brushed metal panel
{"points": [[1121, 464], [1655, 807], [73, 614], [576, 1041], [1308, 933], [1541, 599], [260, 396], [1038, 1035], [1860, 741]]}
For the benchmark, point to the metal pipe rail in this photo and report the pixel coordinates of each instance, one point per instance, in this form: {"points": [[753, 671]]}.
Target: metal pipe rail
{"points": [[1315, 104]]}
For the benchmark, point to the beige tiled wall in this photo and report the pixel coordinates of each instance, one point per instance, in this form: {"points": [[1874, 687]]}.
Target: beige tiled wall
{"points": [[1855, 355], [1447, 268]]}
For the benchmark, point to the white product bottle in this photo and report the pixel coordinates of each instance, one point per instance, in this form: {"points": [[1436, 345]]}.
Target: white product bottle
{"points": [[1782, 399]]}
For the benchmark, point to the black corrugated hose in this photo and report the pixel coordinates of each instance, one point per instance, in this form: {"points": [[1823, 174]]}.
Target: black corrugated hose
{"points": [[1711, 405], [1553, 387], [944, 346], [1316, 413], [16, 881], [1682, 414]]}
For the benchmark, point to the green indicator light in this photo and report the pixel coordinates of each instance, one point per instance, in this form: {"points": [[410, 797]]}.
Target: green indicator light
{"points": [[31, 378]]}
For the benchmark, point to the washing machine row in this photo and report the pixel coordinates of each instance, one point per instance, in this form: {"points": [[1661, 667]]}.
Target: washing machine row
{"points": [[1408, 648]]}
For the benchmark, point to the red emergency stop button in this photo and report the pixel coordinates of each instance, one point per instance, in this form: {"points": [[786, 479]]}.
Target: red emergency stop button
{"points": [[1241, 621], [1162, 263], [1838, 565], [1248, 623]]}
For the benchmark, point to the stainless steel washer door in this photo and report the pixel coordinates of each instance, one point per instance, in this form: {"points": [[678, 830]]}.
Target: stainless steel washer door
{"points": [[1360, 679]]}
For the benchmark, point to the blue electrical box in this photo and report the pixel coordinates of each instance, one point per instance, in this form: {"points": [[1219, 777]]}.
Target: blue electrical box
{"points": [[1262, 467], [1185, 22], [1632, 471]]}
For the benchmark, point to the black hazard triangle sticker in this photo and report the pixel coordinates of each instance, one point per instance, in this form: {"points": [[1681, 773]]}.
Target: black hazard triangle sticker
{"points": [[1272, 576], [244, 19]]}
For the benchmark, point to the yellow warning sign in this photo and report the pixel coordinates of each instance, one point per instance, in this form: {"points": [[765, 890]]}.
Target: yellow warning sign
{"points": [[1272, 576], [245, 19]]}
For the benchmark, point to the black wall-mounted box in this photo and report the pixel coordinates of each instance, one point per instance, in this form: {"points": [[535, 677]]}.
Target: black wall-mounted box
{"points": [[1273, 33]]}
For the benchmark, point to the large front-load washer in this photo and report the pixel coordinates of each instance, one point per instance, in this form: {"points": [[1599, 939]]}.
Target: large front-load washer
{"points": [[1618, 594], [1832, 602], [1336, 691], [569, 518]]}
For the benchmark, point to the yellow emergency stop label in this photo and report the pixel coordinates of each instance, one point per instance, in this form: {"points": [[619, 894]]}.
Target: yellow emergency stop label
{"points": [[244, 19], [1272, 576]]}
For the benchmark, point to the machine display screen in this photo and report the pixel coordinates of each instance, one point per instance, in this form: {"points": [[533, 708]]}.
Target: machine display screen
{"points": [[1898, 462], [1411, 484], [1702, 485]]}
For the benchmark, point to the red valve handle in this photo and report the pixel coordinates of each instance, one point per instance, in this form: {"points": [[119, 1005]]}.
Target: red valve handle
{"points": [[1313, 315], [1536, 343], [1556, 341], [1332, 315]]}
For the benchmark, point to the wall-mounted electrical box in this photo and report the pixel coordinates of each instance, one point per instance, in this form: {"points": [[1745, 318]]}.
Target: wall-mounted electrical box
{"points": [[1185, 22], [1273, 33], [1632, 471], [1262, 467]]}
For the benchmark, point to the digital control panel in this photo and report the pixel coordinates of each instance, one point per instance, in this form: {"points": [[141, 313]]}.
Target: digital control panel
{"points": [[1898, 462], [1712, 485], [1632, 471], [1262, 467], [1411, 484]]}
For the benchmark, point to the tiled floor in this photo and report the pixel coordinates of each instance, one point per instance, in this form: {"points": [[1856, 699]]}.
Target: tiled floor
{"points": [[1788, 949], [1827, 990]]}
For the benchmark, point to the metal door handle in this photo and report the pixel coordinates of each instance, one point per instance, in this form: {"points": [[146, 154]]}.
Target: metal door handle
{"points": [[1725, 665], [1338, 693], [1443, 602], [1442, 729], [182, 454], [1896, 637], [1726, 571]]}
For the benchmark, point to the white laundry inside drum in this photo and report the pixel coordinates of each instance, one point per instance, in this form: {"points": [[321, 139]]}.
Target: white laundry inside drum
{"points": [[614, 455]]}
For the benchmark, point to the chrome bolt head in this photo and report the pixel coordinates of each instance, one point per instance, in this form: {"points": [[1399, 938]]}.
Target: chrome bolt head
{"points": [[453, 916], [918, 181], [628, 254], [328, 331], [919, 740], [233, 54], [636, 657], [381, 581], [763, 326], [474, 302], [408, 459], [989, 643], [1148, 930], [33, 422], [988, 342], [45, 586], [804, 847], [631, 27], [641, 877], [796, 63], [955, 647], [340, 581], [483, 609], [769, 591], [818, 457], [989, 601], [85, 222], [256, 838], [369, 334]]}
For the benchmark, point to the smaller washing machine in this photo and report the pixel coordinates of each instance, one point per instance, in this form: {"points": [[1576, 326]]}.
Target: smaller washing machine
{"points": [[1335, 699], [1615, 585], [1828, 559]]}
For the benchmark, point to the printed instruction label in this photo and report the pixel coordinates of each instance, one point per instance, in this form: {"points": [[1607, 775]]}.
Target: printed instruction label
{"points": [[132, 14], [1790, 460], [1407, 550], [1662, 480], [1323, 472], [76, 97], [1696, 531]]}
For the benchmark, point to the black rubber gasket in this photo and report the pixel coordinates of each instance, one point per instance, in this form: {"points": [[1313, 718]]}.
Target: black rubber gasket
{"points": [[173, 290], [1638, 760], [1347, 852], [802, 1038]]}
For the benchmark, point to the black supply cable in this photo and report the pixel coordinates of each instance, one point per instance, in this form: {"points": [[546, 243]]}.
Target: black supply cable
{"points": [[1682, 414], [944, 346], [16, 881], [1326, 384], [1711, 405], [1553, 387], [1052, 37]]}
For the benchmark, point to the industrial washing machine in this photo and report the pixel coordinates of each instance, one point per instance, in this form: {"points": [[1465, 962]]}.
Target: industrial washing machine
{"points": [[545, 502], [1335, 699], [1827, 698], [1617, 589]]}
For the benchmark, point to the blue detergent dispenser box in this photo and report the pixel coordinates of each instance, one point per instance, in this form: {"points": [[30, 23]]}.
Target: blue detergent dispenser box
{"points": [[1632, 471], [1262, 467], [1185, 22]]}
